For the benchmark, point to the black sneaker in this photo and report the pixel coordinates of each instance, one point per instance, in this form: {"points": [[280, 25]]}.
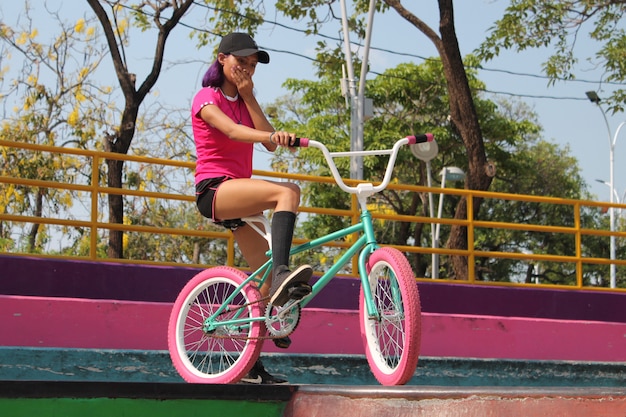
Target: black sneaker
{"points": [[258, 375], [290, 285]]}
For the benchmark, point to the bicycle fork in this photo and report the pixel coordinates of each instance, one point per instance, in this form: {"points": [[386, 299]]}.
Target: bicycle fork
{"points": [[369, 246]]}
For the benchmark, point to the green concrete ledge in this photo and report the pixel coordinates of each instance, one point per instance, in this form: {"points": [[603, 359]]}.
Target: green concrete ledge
{"points": [[140, 399], [105, 399], [48, 364]]}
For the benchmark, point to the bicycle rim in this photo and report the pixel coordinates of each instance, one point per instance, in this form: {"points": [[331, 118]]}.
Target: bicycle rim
{"points": [[392, 340], [227, 353]]}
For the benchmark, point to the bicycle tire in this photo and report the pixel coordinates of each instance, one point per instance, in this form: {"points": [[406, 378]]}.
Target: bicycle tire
{"points": [[392, 343], [226, 354]]}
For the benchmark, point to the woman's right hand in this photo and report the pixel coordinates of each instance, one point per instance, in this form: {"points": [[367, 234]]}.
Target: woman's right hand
{"points": [[243, 80]]}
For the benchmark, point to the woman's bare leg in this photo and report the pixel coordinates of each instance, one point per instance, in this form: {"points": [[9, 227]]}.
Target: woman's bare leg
{"points": [[253, 247], [244, 197]]}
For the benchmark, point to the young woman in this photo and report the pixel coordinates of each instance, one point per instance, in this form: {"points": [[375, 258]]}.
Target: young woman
{"points": [[227, 121]]}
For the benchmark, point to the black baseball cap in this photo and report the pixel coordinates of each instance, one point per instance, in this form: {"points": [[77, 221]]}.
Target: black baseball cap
{"points": [[242, 44]]}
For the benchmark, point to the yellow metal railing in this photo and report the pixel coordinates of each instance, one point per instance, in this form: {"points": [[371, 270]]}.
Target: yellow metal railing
{"points": [[96, 188]]}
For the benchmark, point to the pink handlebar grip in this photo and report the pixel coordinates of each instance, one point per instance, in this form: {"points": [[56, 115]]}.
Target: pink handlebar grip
{"points": [[426, 137]]}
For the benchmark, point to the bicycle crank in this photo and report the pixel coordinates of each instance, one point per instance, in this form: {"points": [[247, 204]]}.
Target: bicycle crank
{"points": [[282, 321]]}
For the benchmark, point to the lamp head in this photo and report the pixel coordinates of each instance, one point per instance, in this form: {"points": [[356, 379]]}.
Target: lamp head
{"points": [[425, 151], [593, 97], [452, 174]]}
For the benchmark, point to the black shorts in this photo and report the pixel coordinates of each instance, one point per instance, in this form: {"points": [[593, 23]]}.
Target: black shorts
{"points": [[205, 200]]}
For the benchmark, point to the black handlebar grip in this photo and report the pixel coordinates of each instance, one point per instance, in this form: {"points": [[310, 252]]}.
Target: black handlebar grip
{"points": [[300, 143], [425, 137]]}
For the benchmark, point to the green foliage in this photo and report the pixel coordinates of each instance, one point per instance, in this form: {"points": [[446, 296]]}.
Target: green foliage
{"points": [[165, 247], [558, 25], [411, 99], [225, 16], [535, 167], [407, 99]]}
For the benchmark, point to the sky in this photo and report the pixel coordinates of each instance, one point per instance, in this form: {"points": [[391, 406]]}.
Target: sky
{"points": [[564, 112]]}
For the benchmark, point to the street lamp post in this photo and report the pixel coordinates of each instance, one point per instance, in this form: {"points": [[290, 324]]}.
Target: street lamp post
{"points": [[593, 97], [618, 199], [447, 174], [426, 152]]}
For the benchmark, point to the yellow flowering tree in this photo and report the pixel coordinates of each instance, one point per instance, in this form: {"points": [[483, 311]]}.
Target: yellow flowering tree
{"points": [[53, 101], [85, 111]]}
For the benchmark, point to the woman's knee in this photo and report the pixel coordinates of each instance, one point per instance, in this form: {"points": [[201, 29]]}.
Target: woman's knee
{"points": [[292, 193], [295, 188]]}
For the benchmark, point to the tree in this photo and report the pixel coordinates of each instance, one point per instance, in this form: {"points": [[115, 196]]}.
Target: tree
{"points": [[461, 110], [536, 167], [408, 99], [119, 139], [558, 26], [58, 96], [463, 116], [121, 125]]}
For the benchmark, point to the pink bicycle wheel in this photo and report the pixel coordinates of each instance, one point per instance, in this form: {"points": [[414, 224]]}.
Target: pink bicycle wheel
{"points": [[215, 352], [392, 339]]}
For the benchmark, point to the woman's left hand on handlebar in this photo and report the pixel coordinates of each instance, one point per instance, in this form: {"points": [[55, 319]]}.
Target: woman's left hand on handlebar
{"points": [[283, 138]]}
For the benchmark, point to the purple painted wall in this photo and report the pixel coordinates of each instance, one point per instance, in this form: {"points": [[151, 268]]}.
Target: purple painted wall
{"points": [[73, 279]]}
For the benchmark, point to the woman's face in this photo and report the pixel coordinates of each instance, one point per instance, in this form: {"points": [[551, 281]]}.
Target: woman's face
{"points": [[231, 63]]}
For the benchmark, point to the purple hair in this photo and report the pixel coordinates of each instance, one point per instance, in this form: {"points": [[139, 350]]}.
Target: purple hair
{"points": [[214, 76]]}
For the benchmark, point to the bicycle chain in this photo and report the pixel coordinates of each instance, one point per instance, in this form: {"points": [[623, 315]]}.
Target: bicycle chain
{"points": [[246, 337]]}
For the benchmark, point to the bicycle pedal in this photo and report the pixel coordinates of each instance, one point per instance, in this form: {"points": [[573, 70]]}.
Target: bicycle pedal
{"points": [[299, 291], [283, 342]]}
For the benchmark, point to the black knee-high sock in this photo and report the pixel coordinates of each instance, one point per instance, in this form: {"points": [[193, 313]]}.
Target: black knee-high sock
{"points": [[282, 233]]}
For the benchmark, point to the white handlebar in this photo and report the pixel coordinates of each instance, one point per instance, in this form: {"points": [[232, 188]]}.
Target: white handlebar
{"points": [[365, 189]]}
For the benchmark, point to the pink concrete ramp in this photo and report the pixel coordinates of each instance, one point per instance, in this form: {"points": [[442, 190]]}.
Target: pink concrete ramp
{"points": [[454, 402], [111, 324]]}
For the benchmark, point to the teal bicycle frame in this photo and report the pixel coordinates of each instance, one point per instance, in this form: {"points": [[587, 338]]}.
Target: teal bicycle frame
{"points": [[364, 245]]}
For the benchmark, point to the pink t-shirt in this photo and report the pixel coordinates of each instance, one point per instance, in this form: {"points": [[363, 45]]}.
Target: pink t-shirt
{"points": [[218, 155]]}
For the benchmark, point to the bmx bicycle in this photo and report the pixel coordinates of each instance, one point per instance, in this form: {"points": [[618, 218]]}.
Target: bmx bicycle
{"points": [[219, 320]]}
